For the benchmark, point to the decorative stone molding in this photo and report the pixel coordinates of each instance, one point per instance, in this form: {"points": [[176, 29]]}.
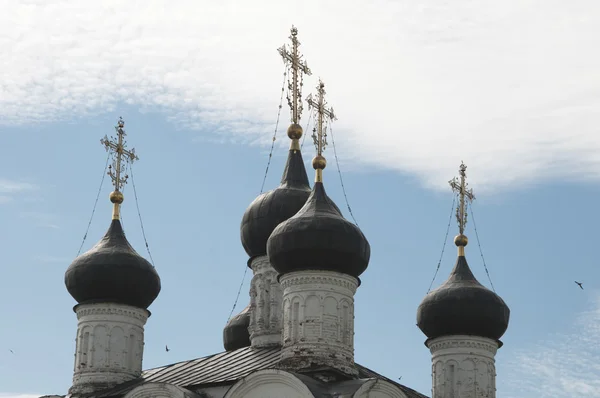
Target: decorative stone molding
{"points": [[378, 388], [466, 342], [265, 305], [463, 366], [269, 383], [318, 320], [160, 390], [101, 310], [109, 346], [313, 280]]}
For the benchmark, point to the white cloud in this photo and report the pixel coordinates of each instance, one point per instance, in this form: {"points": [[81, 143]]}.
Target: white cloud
{"points": [[510, 87], [52, 259], [12, 187], [9, 188], [45, 220], [564, 365], [18, 395]]}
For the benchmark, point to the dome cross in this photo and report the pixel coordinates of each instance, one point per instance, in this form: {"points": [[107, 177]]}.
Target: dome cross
{"points": [[121, 155], [459, 185], [298, 67]]}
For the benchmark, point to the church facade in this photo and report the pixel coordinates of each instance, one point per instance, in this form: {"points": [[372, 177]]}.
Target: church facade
{"points": [[296, 337]]}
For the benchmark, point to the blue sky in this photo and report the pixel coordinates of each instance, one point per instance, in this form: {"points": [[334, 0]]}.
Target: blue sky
{"points": [[416, 91]]}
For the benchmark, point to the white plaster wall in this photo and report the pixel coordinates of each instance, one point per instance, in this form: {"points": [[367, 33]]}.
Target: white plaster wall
{"points": [[269, 383], [109, 345], [463, 367], [265, 304], [318, 319]]}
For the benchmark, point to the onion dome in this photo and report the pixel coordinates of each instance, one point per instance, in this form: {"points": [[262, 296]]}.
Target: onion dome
{"points": [[112, 271], [273, 207], [318, 238], [462, 305], [236, 334]]}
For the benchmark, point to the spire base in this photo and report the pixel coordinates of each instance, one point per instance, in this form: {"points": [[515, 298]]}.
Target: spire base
{"points": [[116, 214]]}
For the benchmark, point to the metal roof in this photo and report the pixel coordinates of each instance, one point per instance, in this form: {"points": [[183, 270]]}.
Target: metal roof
{"points": [[222, 368]]}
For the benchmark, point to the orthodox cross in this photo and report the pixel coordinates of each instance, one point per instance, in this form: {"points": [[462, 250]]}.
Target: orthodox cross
{"points": [[298, 67], [460, 186], [120, 155], [320, 135]]}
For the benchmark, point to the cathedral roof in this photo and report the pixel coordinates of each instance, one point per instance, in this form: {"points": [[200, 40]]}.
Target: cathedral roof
{"points": [[275, 206], [226, 368], [235, 333], [112, 271]]}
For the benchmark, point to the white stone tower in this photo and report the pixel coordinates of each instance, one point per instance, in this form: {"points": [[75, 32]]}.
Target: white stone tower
{"points": [[319, 256], [113, 286], [463, 321], [270, 209]]}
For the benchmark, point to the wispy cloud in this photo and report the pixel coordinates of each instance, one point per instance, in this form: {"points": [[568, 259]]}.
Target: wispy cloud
{"points": [[52, 259], [563, 366], [10, 188], [45, 220], [510, 87], [17, 395]]}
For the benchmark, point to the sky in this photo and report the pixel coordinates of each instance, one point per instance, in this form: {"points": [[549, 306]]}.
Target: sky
{"points": [[511, 88]]}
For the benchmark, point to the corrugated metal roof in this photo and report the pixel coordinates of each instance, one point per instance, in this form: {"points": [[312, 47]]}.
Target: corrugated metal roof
{"points": [[222, 368]]}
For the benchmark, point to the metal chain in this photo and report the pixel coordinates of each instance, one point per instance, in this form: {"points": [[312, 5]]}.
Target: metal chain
{"points": [[285, 73], [238, 294], [95, 204], [262, 187], [139, 214], [445, 241], [479, 245], [306, 129], [340, 174]]}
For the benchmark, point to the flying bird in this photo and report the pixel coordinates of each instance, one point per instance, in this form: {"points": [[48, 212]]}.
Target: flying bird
{"points": [[579, 283], [167, 348], [11, 351]]}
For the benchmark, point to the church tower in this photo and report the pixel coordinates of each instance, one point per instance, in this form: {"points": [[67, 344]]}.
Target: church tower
{"points": [[463, 322], [264, 317], [319, 257], [113, 286]]}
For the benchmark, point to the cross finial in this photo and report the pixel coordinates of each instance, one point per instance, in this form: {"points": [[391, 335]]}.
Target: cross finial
{"points": [[459, 185], [298, 67], [323, 115], [116, 147]]}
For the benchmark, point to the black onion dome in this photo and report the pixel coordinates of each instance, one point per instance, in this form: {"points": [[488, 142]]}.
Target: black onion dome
{"points": [[273, 207], [236, 334], [462, 305], [318, 238], [112, 271]]}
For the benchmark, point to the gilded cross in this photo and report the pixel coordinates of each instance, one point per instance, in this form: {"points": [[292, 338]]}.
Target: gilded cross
{"points": [[460, 186], [120, 155], [319, 105], [298, 67]]}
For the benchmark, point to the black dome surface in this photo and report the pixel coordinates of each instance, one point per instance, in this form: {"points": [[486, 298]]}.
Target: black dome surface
{"points": [[273, 207], [462, 305], [236, 334], [318, 238], [112, 271]]}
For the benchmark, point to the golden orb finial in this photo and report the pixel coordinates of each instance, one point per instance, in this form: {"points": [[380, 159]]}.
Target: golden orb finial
{"points": [[116, 197], [319, 162], [461, 241], [294, 131]]}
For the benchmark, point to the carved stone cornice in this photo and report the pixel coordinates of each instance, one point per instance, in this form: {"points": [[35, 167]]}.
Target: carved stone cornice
{"points": [[446, 343], [319, 278], [111, 310]]}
